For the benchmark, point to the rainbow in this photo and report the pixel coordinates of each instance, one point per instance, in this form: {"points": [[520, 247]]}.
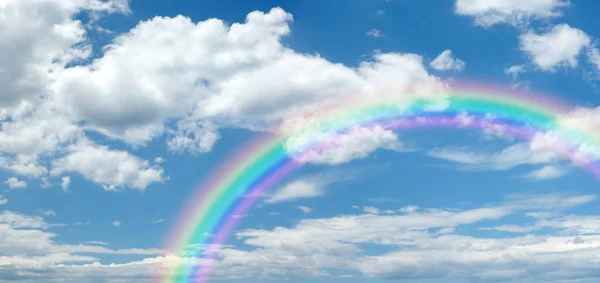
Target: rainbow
{"points": [[207, 217]]}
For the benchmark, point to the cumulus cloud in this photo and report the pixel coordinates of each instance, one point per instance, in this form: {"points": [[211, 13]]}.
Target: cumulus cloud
{"points": [[337, 148], [34, 55], [193, 137], [445, 61], [251, 81], [515, 12], [14, 183], [558, 47], [116, 223], [113, 168], [3, 200], [31, 50]]}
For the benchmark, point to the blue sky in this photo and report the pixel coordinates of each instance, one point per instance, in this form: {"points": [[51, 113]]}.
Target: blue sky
{"points": [[114, 111]]}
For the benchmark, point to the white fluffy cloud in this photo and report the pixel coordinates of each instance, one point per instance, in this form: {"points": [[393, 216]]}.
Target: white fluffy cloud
{"points": [[237, 75], [34, 55], [252, 82], [193, 137], [445, 61], [516, 12], [160, 83], [110, 167], [3, 200], [337, 148], [15, 183], [558, 47], [31, 50]]}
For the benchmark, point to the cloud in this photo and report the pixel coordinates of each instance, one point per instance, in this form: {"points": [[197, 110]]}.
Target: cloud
{"points": [[548, 201], [375, 33], [3, 200], [304, 209], [594, 57], [296, 190], [445, 62], [515, 12], [546, 173], [113, 168], [422, 244], [98, 243], [193, 137], [37, 48], [337, 148], [581, 119], [509, 228], [514, 71], [25, 237], [22, 221], [36, 123], [159, 221], [14, 183], [375, 210], [558, 47], [66, 181], [507, 158], [47, 212], [253, 81], [116, 223], [310, 186]]}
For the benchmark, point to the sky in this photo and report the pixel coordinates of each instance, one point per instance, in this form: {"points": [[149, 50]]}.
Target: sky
{"points": [[113, 112]]}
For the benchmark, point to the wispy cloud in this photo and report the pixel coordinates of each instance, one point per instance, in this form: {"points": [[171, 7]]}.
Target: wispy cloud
{"points": [[375, 33], [47, 212], [310, 186], [304, 209]]}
